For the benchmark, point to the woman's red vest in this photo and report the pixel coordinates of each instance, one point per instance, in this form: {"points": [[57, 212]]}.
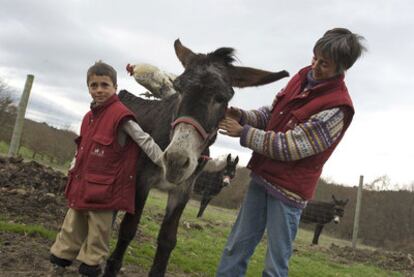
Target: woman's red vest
{"points": [[104, 174], [293, 106]]}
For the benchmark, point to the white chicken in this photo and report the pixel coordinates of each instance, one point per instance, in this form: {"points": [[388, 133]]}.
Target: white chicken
{"points": [[159, 83]]}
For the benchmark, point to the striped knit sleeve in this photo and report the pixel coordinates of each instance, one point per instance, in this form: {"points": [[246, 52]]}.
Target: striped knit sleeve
{"points": [[256, 118], [306, 139]]}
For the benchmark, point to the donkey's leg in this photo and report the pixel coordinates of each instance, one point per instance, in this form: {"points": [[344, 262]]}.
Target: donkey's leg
{"points": [[203, 206], [127, 231], [167, 237], [318, 230]]}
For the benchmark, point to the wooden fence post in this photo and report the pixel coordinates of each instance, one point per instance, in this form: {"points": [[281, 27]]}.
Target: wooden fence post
{"points": [[18, 125], [357, 212]]}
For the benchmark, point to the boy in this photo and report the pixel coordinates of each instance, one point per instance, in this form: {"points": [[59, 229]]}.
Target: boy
{"points": [[102, 179], [291, 141]]}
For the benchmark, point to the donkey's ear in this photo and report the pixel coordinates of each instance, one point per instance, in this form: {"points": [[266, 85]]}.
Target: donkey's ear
{"points": [[228, 158], [236, 160], [248, 77], [184, 54]]}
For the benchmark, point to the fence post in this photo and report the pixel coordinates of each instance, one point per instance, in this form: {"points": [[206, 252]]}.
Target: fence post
{"points": [[357, 212], [18, 125]]}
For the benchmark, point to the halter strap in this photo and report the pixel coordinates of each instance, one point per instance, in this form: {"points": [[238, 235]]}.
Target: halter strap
{"points": [[192, 122]]}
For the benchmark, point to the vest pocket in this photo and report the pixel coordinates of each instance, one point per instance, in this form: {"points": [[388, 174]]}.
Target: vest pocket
{"points": [[102, 156], [98, 188]]}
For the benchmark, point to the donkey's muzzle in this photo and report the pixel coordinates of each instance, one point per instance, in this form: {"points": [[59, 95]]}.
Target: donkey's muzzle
{"points": [[176, 164], [226, 180]]}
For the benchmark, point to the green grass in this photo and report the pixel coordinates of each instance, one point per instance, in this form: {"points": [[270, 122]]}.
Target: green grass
{"points": [[24, 229], [317, 264], [4, 147], [23, 151], [27, 155], [198, 251]]}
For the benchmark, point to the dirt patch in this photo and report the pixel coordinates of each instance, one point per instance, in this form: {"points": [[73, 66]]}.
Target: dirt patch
{"points": [[15, 173], [22, 255], [395, 261], [32, 194]]}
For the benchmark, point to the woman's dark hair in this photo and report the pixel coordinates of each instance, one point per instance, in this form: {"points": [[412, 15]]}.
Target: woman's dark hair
{"points": [[342, 46]]}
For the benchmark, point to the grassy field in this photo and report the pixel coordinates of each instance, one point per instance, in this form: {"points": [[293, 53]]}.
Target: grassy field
{"points": [[200, 242], [27, 155]]}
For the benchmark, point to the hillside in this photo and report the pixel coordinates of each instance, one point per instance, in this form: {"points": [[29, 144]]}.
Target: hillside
{"points": [[40, 141], [386, 219]]}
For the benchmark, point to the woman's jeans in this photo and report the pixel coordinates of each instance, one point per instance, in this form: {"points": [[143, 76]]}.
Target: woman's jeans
{"points": [[260, 211]]}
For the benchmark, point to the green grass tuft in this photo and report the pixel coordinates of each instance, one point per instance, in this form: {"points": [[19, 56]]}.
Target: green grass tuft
{"points": [[20, 228]]}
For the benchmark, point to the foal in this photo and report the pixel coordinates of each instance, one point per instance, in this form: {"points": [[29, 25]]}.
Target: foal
{"points": [[210, 183], [320, 212]]}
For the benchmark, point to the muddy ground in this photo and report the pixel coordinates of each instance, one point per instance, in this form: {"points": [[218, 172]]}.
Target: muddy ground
{"points": [[32, 194]]}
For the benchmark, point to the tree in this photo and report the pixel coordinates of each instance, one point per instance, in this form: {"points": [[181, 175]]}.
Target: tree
{"points": [[8, 111], [5, 99], [380, 184]]}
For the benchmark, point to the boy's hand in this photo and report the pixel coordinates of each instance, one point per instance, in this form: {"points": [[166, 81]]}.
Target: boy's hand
{"points": [[234, 113], [230, 127]]}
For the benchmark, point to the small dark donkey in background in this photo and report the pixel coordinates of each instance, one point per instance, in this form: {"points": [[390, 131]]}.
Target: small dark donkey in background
{"points": [[184, 125], [320, 212], [209, 184]]}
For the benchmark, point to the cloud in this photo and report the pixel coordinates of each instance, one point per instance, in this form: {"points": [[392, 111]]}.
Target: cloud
{"points": [[58, 41]]}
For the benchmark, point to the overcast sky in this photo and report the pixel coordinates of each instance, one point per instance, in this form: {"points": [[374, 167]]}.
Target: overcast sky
{"points": [[58, 40]]}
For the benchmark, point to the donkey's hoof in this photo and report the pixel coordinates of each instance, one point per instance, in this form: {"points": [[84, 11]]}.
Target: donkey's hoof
{"points": [[112, 268]]}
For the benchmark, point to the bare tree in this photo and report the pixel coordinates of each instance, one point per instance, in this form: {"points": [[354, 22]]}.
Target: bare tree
{"points": [[8, 111], [6, 101], [380, 184]]}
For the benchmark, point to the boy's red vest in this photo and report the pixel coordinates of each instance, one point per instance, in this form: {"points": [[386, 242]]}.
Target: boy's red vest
{"points": [[295, 105], [104, 174]]}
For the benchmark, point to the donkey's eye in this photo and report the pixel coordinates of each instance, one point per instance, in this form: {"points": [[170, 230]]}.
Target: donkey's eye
{"points": [[220, 99]]}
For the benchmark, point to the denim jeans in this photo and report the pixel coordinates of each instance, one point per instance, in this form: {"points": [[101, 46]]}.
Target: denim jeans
{"points": [[258, 213]]}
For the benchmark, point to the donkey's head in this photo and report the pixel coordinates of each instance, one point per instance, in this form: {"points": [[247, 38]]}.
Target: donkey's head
{"points": [[339, 208], [205, 88], [210, 190], [230, 170]]}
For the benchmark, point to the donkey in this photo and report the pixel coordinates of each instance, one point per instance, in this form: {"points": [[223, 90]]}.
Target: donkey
{"points": [[210, 183], [321, 213], [184, 124]]}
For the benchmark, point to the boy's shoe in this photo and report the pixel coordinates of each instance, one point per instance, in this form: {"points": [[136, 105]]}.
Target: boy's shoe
{"points": [[89, 270], [59, 261], [56, 271], [58, 266]]}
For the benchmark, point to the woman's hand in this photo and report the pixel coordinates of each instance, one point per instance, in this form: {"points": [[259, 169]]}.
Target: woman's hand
{"points": [[230, 127], [234, 113]]}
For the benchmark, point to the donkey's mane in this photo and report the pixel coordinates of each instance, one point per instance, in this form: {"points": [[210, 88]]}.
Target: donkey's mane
{"points": [[226, 54]]}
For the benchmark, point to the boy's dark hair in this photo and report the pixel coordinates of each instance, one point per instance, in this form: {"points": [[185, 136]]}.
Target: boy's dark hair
{"points": [[342, 46], [101, 69]]}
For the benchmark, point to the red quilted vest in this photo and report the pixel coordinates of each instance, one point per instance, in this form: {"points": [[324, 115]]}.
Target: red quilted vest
{"points": [[295, 105], [104, 175]]}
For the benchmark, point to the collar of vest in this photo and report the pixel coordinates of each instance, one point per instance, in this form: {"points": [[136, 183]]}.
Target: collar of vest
{"points": [[97, 109], [325, 84]]}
